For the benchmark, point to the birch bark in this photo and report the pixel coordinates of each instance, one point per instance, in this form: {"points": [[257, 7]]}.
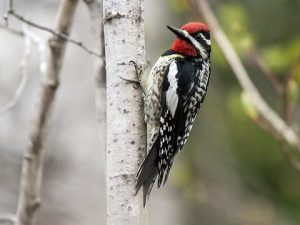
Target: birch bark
{"points": [[126, 133]]}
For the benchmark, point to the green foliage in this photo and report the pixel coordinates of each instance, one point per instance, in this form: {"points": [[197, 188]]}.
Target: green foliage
{"points": [[217, 56], [256, 150], [235, 23], [185, 175], [273, 21], [263, 167], [281, 56], [179, 6]]}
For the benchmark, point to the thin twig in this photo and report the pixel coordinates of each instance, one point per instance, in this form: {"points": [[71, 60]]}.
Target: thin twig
{"points": [[41, 47], [61, 35], [11, 11], [9, 8], [9, 105], [29, 38], [285, 132]]}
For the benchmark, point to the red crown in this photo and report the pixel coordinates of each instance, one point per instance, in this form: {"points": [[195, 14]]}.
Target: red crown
{"points": [[194, 27]]}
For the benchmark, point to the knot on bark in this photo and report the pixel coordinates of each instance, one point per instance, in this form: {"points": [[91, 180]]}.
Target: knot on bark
{"points": [[109, 16]]}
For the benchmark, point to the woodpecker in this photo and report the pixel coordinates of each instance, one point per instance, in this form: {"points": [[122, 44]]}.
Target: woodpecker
{"points": [[173, 94]]}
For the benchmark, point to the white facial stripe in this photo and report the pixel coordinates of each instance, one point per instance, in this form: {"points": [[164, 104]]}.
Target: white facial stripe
{"points": [[208, 42], [193, 40], [196, 44]]}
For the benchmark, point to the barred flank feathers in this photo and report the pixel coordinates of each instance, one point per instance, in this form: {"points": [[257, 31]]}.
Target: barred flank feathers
{"points": [[147, 173]]}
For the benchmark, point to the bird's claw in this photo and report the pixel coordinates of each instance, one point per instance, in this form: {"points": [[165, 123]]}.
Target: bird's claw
{"points": [[136, 83], [139, 69]]}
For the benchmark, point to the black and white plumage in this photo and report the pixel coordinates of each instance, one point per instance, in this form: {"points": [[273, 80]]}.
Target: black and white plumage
{"points": [[176, 88]]}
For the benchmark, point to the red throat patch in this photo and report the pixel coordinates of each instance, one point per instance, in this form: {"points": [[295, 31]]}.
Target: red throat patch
{"points": [[182, 47]]}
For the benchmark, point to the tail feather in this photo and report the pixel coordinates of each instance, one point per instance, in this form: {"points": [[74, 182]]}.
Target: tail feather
{"points": [[147, 174]]}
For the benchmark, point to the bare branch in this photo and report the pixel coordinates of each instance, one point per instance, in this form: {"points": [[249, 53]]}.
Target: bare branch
{"points": [[29, 37], [41, 47], [32, 168], [61, 35], [11, 11], [285, 132], [9, 105], [9, 8]]}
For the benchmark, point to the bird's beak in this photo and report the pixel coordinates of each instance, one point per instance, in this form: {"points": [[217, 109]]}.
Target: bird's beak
{"points": [[178, 32]]}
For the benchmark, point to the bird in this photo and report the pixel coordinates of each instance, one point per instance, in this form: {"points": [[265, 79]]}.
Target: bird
{"points": [[174, 91]]}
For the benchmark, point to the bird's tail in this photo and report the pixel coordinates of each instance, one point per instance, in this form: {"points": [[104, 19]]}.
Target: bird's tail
{"points": [[147, 173]]}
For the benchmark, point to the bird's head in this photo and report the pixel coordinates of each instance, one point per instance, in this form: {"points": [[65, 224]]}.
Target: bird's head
{"points": [[193, 39]]}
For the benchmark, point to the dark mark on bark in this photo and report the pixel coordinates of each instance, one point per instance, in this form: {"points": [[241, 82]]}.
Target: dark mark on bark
{"points": [[111, 16], [121, 63]]}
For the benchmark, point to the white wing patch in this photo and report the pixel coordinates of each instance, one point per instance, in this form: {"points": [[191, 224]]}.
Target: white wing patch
{"points": [[171, 94], [152, 98]]}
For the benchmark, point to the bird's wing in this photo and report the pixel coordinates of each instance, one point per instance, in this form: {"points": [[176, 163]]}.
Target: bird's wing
{"points": [[177, 86], [153, 96]]}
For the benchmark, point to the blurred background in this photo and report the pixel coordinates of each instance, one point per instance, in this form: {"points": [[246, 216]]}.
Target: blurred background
{"points": [[230, 171]]}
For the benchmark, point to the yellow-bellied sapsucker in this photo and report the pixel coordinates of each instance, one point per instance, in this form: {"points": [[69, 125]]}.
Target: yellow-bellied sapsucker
{"points": [[174, 92]]}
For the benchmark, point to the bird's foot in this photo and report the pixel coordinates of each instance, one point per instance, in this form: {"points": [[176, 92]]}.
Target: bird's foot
{"points": [[139, 70], [136, 82]]}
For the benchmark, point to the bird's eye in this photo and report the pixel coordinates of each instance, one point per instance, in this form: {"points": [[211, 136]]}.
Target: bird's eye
{"points": [[202, 34], [206, 34]]}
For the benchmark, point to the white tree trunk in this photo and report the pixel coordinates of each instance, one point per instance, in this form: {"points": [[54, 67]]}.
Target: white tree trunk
{"points": [[126, 133]]}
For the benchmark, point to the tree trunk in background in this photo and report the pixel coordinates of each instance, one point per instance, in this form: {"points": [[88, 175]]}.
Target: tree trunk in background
{"points": [[126, 133], [32, 169], [96, 16]]}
